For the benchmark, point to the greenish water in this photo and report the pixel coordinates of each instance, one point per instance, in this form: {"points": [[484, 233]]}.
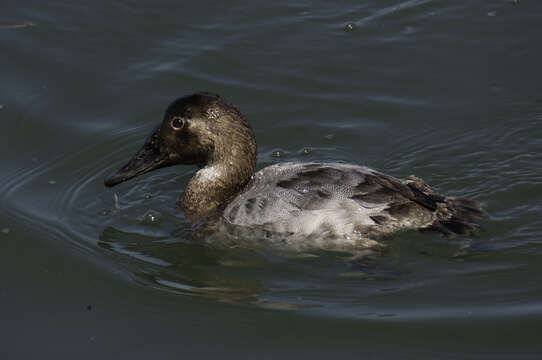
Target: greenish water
{"points": [[448, 91]]}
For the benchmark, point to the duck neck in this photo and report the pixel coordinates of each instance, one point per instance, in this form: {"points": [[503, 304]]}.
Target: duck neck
{"points": [[221, 179]]}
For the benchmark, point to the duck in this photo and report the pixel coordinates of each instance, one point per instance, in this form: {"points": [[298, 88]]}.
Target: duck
{"points": [[314, 202]]}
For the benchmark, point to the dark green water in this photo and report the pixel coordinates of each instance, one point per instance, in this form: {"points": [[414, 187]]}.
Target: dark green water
{"points": [[447, 90]]}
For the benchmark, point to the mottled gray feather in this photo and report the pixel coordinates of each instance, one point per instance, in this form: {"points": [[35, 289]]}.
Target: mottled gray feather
{"points": [[344, 202]]}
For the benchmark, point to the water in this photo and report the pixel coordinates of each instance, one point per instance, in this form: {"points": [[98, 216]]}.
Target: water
{"points": [[445, 90]]}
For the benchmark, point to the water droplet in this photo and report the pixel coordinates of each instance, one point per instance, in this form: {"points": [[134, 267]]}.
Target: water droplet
{"points": [[330, 136], [277, 153], [306, 151], [104, 212], [147, 196], [350, 27], [116, 198], [5, 231], [52, 182], [151, 217], [492, 13]]}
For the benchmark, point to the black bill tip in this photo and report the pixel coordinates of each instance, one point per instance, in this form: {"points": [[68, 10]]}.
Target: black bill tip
{"points": [[113, 179], [150, 157]]}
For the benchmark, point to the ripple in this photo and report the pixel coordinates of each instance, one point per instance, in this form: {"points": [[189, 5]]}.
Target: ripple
{"points": [[140, 231], [138, 228], [391, 10]]}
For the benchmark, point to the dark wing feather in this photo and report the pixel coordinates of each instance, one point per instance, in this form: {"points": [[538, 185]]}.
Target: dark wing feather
{"points": [[380, 188]]}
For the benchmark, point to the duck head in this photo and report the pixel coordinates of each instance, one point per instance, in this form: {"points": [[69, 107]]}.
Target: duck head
{"points": [[202, 130]]}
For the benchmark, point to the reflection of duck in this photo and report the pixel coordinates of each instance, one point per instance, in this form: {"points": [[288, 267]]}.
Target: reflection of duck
{"points": [[342, 201]]}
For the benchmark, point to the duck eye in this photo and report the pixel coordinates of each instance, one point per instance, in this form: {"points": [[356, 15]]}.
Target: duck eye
{"points": [[177, 122]]}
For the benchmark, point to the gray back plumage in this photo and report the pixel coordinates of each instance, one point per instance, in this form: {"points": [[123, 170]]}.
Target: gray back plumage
{"points": [[332, 200]]}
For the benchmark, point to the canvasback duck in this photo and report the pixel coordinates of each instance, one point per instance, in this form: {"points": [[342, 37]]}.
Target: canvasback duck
{"points": [[347, 203]]}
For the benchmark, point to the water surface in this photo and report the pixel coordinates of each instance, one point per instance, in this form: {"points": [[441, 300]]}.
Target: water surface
{"points": [[448, 91]]}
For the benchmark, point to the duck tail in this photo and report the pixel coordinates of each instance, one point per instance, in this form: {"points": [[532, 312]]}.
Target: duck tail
{"points": [[455, 215]]}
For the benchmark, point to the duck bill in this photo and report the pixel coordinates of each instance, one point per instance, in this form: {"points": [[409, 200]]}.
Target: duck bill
{"points": [[148, 158]]}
